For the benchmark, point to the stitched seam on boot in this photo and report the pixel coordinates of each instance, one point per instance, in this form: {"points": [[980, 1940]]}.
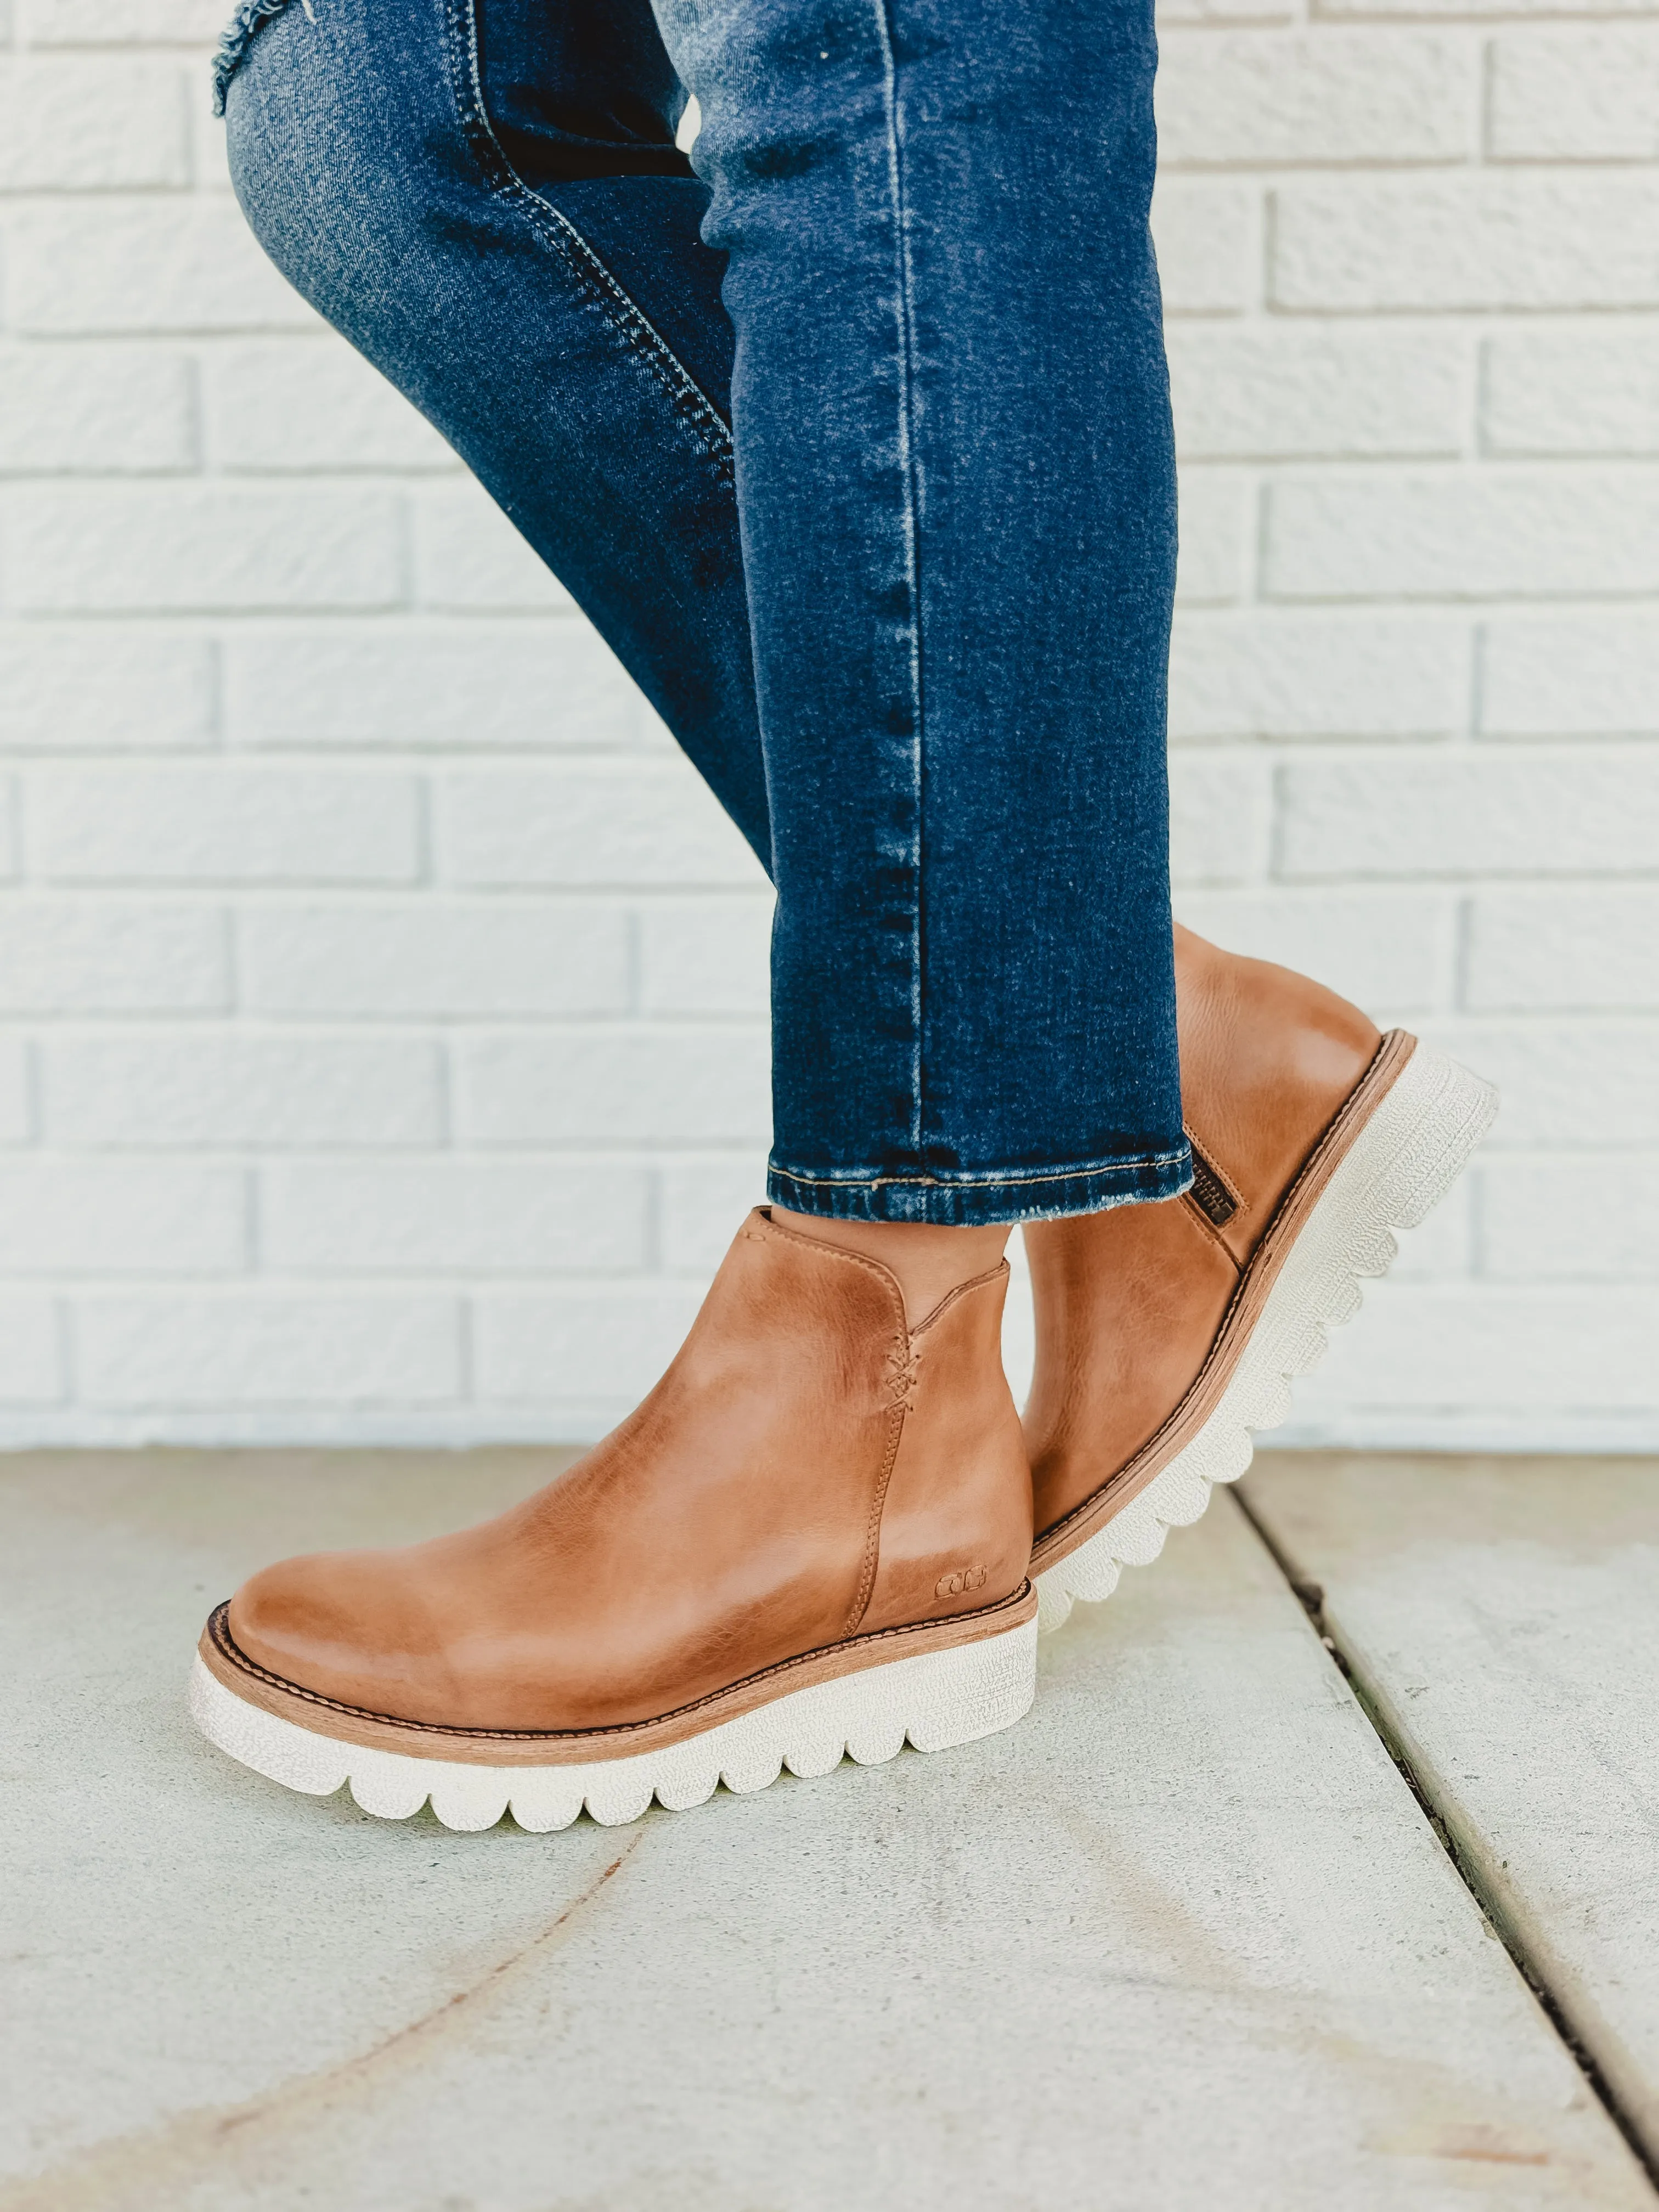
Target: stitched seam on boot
{"points": [[904, 1363], [904, 1381], [219, 1632], [902, 1377]]}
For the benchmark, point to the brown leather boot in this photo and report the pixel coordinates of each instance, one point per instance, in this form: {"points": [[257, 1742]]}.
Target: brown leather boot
{"points": [[812, 1537], [1165, 1334]]}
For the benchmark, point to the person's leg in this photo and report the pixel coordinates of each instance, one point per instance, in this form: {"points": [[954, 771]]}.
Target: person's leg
{"points": [[487, 202], [959, 504], [491, 208], [956, 484], [814, 1533]]}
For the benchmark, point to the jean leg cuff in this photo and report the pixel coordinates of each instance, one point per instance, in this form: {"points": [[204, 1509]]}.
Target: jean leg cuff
{"points": [[973, 1202]]}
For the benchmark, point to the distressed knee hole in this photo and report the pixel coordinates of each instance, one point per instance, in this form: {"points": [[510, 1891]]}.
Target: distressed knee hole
{"points": [[250, 16]]}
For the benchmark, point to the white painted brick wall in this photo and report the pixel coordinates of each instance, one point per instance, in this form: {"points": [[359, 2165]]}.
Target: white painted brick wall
{"points": [[382, 1004]]}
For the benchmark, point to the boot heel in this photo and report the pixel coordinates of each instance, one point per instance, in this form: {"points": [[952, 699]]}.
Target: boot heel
{"points": [[956, 1697], [1406, 1155]]}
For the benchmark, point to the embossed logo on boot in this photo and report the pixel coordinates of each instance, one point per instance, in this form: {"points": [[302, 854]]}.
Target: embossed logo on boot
{"points": [[965, 1578]]}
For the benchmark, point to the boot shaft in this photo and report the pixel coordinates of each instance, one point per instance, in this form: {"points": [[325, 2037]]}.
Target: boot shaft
{"points": [[1129, 1302]]}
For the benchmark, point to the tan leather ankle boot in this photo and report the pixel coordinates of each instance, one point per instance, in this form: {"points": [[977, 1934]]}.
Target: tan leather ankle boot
{"points": [[1166, 1333], [812, 1537]]}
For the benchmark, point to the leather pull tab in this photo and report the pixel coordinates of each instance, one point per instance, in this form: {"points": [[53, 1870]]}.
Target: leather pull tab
{"points": [[1212, 1193]]}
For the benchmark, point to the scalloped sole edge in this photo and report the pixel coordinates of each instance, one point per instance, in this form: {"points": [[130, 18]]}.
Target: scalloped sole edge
{"points": [[937, 1699], [1401, 1165]]}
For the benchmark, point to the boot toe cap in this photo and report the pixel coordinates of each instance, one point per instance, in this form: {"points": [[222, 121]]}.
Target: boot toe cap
{"points": [[321, 1622]]}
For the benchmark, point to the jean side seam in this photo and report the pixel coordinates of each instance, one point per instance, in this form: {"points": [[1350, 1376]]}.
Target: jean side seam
{"points": [[557, 231], [904, 275]]}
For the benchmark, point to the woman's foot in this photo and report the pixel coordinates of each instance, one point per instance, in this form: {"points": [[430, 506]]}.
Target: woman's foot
{"points": [[812, 1537], [1167, 1333]]}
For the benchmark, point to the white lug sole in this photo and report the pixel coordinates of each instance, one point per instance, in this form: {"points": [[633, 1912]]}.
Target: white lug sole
{"points": [[935, 1699], [1402, 1162]]}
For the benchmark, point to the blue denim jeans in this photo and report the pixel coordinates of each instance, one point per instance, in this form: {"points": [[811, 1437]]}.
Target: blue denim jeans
{"points": [[853, 440]]}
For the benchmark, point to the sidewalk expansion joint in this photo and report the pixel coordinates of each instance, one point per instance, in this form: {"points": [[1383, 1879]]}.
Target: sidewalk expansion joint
{"points": [[1311, 1598]]}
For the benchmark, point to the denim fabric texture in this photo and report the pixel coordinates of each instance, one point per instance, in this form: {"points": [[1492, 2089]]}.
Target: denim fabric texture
{"points": [[854, 443]]}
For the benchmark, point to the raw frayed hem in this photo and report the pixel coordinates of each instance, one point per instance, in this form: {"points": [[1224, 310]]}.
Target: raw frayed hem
{"points": [[234, 37], [977, 1202]]}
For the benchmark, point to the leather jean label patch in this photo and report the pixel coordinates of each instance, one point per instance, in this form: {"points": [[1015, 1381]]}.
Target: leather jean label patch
{"points": [[1211, 1193]]}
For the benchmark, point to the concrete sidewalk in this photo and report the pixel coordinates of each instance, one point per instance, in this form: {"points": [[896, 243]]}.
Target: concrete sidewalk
{"points": [[1185, 1939]]}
